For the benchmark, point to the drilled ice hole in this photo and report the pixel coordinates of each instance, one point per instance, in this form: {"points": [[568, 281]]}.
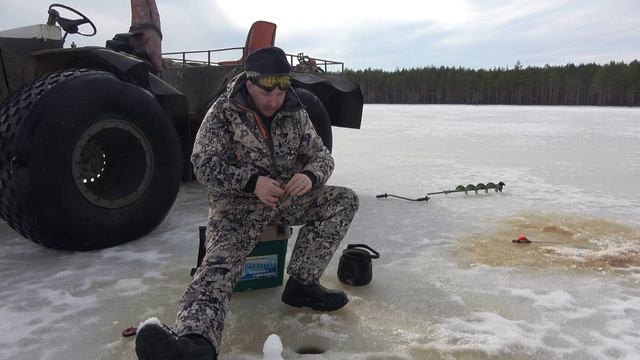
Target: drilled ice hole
{"points": [[310, 350]]}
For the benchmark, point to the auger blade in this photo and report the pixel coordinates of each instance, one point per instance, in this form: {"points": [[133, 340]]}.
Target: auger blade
{"points": [[495, 187], [469, 188]]}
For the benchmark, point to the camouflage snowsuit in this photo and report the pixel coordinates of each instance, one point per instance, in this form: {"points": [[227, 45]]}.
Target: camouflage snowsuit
{"points": [[231, 145]]}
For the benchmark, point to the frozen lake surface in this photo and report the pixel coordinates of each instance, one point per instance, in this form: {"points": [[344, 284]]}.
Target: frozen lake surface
{"points": [[449, 283]]}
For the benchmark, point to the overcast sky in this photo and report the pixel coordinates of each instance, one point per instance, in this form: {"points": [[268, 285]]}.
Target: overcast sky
{"points": [[383, 34]]}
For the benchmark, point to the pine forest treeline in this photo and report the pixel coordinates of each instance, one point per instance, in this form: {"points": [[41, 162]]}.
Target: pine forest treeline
{"points": [[613, 84]]}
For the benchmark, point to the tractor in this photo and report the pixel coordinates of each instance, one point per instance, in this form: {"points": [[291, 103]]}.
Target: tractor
{"points": [[95, 141]]}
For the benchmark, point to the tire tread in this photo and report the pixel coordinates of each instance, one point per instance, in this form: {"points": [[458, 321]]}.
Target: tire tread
{"points": [[13, 112]]}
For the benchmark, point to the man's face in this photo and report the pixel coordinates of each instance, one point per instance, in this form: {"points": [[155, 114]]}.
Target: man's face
{"points": [[267, 102]]}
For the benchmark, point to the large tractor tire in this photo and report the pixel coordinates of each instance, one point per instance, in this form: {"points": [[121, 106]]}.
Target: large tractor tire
{"points": [[318, 116], [87, 160]]}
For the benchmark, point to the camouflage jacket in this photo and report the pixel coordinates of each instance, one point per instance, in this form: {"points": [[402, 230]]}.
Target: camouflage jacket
{"points": [[233, 144]]}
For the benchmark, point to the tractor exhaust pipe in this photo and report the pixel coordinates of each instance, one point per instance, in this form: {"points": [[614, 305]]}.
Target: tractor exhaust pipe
{"points": [[146, 30]]}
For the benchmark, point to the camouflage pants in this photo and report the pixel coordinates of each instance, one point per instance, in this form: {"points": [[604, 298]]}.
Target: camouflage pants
{"points": [[233, 231]]}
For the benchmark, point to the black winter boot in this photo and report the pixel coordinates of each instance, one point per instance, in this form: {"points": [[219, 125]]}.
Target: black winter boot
{"points": [[156, 341], [315, 296]]}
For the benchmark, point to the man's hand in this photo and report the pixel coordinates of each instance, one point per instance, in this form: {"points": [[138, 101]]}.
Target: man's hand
{"points": [[268, 191], [298, 185]]}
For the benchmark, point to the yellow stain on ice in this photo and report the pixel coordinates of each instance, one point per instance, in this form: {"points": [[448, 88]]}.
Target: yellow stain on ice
{"points": [[559, 241]]}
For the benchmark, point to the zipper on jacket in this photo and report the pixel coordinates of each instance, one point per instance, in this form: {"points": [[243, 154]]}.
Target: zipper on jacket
{"points": [[264, 133]]}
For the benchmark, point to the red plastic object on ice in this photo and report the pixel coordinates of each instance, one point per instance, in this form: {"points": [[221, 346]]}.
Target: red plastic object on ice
{"points": [[130, 331], [522, 239]]}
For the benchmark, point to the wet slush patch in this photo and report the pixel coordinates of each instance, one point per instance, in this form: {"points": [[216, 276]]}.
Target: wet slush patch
{"points": [[558, 241]]}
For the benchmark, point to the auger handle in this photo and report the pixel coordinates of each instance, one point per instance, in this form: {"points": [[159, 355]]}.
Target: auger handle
{"points": [[385, 195]]}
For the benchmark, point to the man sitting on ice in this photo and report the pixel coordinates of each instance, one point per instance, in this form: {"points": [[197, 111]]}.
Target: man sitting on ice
{"points": [[262, 161]]}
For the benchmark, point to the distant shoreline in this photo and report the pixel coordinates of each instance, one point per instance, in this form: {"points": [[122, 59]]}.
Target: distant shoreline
{"points": [[535, 105], [613, 84]]}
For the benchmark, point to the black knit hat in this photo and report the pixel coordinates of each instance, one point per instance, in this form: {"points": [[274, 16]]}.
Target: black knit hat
{"points": [[269, 60]]}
